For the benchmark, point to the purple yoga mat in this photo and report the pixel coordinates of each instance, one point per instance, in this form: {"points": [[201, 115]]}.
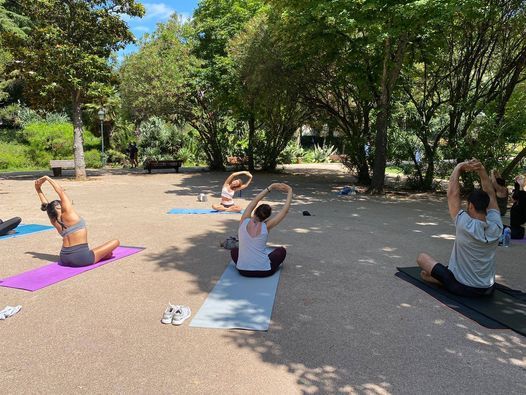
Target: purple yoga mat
{"points": [[53, 273]]}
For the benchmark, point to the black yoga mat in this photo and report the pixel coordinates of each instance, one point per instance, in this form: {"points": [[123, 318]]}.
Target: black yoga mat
{"points": [[506, 308]]}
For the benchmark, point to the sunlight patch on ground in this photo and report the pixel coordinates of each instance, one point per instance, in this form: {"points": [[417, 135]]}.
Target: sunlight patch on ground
{"points": [[427, 223], [518, 362], [445, 236], [376, 389], [301, 230], [389, 249], [477, 339]]}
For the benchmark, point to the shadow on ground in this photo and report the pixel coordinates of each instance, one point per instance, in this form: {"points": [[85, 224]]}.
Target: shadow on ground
{"points": [[342, 323]]}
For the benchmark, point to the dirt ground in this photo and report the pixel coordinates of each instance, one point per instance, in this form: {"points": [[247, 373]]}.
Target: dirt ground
{"points": [[342, 322]]}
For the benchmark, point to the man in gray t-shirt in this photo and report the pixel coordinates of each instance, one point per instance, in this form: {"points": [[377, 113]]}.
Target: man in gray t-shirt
{"points": [[471, 270]]}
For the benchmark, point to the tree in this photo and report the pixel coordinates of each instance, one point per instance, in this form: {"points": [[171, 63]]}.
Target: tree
{"points": [[268, 90], [68, 50], [466, 71], [13, 28], [371, 38]]}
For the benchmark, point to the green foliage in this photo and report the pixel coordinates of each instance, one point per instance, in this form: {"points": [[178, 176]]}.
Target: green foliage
{"points": [[14, 156], [93, 159], [321, 154], [53, 141], [159, 140], [115, 157], [292, 153]]}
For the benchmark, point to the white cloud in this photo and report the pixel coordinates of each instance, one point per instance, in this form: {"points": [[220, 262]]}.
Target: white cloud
{"points": [[159, 11], [141, 29]]}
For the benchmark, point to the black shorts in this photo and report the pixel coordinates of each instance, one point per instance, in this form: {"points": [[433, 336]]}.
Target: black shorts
{"points": [[444, 275], [226, 205]]}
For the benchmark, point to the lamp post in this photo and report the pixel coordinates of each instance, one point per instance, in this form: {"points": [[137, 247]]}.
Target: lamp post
{"points": [[101, 115]]}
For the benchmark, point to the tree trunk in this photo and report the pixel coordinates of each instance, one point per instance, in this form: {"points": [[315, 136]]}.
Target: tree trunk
{"points": [[78, 137], [380, 153], [251, 135]]}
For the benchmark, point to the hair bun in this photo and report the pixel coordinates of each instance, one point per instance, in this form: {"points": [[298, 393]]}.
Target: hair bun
{"points": [[43, 207]]}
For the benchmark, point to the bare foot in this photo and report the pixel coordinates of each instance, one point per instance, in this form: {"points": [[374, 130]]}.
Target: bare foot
{"points": [[429, 278]]}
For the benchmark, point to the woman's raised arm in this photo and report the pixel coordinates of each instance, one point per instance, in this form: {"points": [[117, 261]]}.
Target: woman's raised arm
{"points": [[244, 185], [65, 202], [283, 213], [252, 205]]}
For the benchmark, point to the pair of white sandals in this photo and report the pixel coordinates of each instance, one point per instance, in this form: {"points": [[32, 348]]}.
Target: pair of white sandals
{"points": [[176, 314], [9, 311]]}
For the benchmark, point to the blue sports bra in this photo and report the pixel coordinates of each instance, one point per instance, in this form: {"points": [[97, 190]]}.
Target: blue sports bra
{"points": [[74, 228]]}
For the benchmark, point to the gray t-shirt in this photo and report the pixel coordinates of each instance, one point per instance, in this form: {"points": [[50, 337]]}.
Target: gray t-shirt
{"points": [[472, 260]]}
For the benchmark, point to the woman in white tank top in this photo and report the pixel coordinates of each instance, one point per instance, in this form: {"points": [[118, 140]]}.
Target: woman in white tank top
{"points": [[231, 185], [253, 258]]}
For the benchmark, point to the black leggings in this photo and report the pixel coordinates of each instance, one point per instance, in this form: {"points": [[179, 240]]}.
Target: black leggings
{"points": [[276, 259], [9, 225]]}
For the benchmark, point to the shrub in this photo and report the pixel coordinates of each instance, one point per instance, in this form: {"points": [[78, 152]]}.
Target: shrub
{"points": [[116, 157], [186, 155], [14, 156], [322, 154], [292, 153], [93, 159], [53, 141], [159, 140]]}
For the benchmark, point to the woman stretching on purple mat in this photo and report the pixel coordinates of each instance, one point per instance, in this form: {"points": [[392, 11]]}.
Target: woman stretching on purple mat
{"points": [[75, 251], [252, 258]]}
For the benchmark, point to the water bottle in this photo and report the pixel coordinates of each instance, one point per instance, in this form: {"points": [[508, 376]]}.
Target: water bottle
{"points": [[507, 237]]}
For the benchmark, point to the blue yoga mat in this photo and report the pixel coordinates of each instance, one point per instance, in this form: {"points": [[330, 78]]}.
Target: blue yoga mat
{"points": [[22, 230], [199, 211], [239, 302]]}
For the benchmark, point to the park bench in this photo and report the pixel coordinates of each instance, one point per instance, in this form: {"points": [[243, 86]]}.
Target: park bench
{"points": [[237, 161], [338, 158], [163, 164], [58, 164]]}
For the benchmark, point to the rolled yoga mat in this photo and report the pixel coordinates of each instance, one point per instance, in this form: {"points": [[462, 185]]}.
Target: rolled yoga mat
{"points": [[53, 273], [200, 211], [22, 230], [238, 302], [506, 306]]}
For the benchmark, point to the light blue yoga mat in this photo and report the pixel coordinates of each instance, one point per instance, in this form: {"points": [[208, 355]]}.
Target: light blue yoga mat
{"points": [[239, 302], [22, 230], [199, 211]]}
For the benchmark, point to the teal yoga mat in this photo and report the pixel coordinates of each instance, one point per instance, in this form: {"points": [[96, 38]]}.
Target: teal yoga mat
{"points": [[27, 229], [199, 211], [238, 302], [506, 306]]}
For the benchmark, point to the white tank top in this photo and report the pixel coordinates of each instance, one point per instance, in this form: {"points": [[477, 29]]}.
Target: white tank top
{"points": [[227, 196], [253, 252]]}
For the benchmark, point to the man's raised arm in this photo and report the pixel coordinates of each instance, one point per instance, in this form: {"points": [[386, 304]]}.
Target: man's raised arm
{"points": [[453, 190], [486, 184]]}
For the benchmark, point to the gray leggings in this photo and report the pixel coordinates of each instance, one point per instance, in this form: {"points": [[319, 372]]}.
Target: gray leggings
{"points": [[77, 256]]}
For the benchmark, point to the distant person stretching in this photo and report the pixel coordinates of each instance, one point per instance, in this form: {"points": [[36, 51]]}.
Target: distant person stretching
{"points": [[75, 251], [231, 185], [8, 226], [252, 258], [501, 191], [518, 210], [471, 270]]}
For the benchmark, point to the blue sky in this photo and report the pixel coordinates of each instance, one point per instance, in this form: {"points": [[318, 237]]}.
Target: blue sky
{"points": [[157, 12]]}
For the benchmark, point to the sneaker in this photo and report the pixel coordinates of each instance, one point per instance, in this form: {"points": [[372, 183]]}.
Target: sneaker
{"points": [[181, 314], [169, 313]]}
